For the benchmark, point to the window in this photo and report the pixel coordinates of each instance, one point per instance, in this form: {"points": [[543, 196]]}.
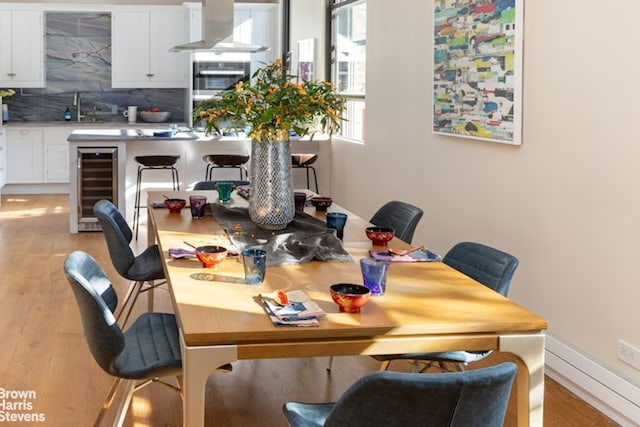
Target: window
{"points": [[348, 61]]}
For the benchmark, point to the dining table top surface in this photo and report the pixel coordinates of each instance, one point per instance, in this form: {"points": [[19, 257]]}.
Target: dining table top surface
{"points": [[214, 307]]}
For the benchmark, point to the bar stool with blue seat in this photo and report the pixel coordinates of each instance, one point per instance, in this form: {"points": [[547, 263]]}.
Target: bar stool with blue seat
{"points": [[306, 161], [153, 162], [226, 161]]}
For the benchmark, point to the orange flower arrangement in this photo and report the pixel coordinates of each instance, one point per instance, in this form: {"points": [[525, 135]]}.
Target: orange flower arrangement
{"points": [[273, 105]]}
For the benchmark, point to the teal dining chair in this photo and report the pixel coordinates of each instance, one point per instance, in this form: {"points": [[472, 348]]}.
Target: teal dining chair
{"points": [[148, 350], [489, 266], [398, 399]]}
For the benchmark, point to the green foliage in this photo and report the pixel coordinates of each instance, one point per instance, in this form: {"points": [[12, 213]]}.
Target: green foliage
{"points": [[273, 106]]}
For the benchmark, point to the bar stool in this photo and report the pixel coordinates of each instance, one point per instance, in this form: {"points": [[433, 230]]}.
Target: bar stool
{"points": [[300, 160], [153, 163], [237, 161]]}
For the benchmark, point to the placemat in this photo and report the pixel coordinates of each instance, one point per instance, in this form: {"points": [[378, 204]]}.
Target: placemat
{"points": [[306, 238]]}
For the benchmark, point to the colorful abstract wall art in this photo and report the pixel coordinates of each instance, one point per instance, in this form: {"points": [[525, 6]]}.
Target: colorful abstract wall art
{"points": [[477, 80]]}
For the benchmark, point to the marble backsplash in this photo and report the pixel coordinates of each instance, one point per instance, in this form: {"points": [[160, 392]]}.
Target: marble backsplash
{"points": [[78, 59]]}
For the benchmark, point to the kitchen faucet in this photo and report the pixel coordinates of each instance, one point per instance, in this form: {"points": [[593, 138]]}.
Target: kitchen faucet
{"points": [[76, 103]]}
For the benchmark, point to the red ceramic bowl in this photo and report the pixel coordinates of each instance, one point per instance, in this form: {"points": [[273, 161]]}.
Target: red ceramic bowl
{"points": [[321, 203], [380, 236], [350, 297], [175, 205], [211, 256]]}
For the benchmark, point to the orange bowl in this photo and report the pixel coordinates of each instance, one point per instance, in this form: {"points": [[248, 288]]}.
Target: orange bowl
{"points": [[350, 297], [175, 205], [379, 236], [211, 256]]}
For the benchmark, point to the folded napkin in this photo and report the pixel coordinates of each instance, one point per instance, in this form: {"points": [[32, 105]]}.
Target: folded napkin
{"points": [[182, 253], [306, 238], [300, 311], [415, 256]]}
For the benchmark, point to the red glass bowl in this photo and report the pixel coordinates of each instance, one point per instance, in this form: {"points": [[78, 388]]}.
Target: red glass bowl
{"points": [[175, 205], [380, 236], [350, 297], [211, 256]]}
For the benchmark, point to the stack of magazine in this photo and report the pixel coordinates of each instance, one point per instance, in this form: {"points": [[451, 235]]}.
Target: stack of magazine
{"points": [[300, 310]]}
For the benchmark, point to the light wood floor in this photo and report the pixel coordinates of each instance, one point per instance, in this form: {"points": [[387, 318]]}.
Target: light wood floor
{"points": [[42, 347]]}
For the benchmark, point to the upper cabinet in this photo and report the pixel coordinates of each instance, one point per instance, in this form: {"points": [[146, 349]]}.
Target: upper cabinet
{"points": [[21, 48], [264, 32], [140, 41]]}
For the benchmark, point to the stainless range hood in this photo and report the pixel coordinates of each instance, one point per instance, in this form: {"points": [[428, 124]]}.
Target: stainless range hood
{"points": [[217, 30]]}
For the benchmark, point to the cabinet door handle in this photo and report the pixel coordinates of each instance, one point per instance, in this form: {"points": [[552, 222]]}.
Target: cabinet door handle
{"points": [[150, 74], [11, 74]]}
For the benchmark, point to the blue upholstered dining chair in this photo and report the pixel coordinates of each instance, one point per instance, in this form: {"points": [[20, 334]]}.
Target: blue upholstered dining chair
{"points": [[489, 266], [147, 350], [401, 216], [144, 269], [388, 399]]}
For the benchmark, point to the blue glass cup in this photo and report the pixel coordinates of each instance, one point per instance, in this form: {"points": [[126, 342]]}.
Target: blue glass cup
{"points": [[255, 265], [337, 220], [374, 275], [224, 191]]}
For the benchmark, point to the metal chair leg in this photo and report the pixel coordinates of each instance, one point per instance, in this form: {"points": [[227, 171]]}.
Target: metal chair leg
{"points": [[132, 296], [136, 204], [129, 301], [315, 178], [124, 404], [107, 402]]}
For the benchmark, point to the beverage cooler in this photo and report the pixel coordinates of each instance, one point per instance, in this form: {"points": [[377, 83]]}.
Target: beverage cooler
{"points": [[97, 178]]}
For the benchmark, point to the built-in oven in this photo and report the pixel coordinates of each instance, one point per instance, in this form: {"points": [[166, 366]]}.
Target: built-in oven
{"points": [[212, 77]]}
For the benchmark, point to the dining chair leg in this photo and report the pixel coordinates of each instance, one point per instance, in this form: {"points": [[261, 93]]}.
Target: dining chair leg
{"points": [[107, 402], [385, 365], [129, 301], [150, 297], [124, 405]]}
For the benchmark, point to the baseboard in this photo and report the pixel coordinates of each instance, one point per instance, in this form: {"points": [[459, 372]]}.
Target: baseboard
{"points": [[611, 394], [50, 188]]}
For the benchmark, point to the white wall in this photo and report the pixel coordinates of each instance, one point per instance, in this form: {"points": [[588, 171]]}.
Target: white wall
{"points": [[566, 202], [308, 17]]}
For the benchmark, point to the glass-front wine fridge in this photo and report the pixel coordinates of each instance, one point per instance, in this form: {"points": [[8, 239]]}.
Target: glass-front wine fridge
{"points": [[97, 179]]}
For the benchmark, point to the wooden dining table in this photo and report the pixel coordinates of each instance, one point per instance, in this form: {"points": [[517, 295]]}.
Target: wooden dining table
{"points": [[428, 306]]}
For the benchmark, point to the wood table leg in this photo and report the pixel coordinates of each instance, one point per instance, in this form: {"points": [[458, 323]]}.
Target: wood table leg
{"points": [[529, 348]]}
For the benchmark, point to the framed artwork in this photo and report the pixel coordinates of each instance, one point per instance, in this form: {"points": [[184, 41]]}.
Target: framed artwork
{"points": [[477, 76], [306, 52]]}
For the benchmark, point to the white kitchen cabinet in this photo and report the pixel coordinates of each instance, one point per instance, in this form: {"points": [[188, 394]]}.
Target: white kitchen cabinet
{"points": [[3, 156], [25, 159], [21, 48], [264, 32], [140, 41], [56, 154]]}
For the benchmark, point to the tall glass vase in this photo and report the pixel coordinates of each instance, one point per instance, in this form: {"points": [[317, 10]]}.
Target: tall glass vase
{"points": [[271, 204]]}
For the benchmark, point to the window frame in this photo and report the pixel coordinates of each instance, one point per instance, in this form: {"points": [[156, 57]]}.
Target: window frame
{"points": [[331, 71]]}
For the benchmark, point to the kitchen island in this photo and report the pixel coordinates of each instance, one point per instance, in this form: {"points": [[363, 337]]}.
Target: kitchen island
{"points": [[127, 143], [190, 145]]}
